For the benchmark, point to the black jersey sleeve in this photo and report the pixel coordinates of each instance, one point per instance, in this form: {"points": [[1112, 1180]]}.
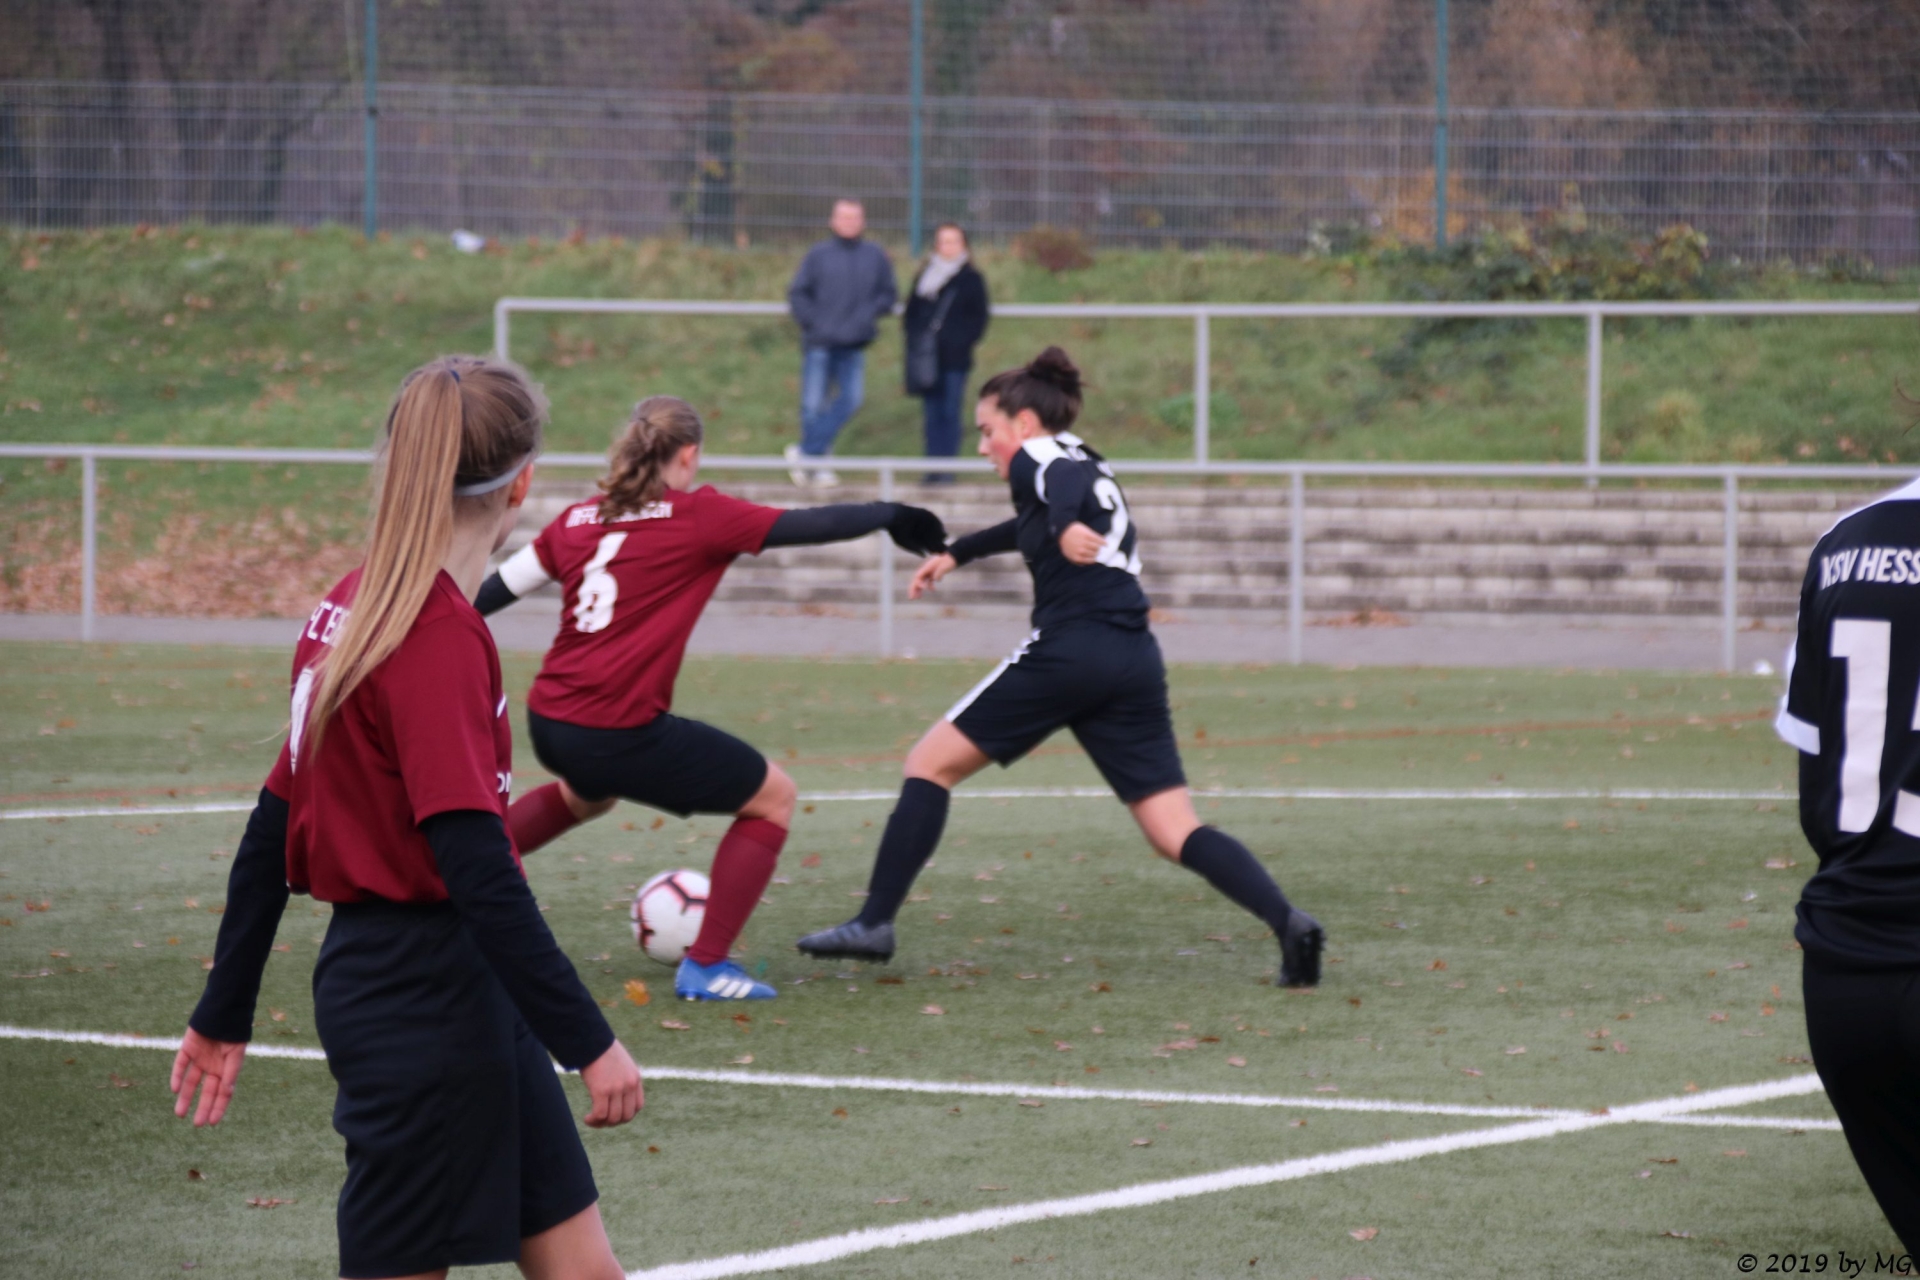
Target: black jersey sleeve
{"points": [[999, 539], [1063, 485], [490, 893], [256, 899], [1798, 723]]}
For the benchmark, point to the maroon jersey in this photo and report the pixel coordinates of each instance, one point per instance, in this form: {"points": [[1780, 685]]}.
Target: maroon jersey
{"points": [[425, 732], [634, 587]]}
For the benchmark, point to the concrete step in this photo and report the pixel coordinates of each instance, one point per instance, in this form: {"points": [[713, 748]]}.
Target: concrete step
{"points": [[1522, 550]]}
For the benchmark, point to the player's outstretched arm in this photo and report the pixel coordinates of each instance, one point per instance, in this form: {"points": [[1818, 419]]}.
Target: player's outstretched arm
{"points": [[518, 574], [216, 1041], [912, 528]]}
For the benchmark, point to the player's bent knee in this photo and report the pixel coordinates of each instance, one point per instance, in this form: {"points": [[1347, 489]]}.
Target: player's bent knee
{"points": [[775, 800]]}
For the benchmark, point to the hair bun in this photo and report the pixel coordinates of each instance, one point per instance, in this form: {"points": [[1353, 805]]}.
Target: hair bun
{"points": [[1056, 368]]}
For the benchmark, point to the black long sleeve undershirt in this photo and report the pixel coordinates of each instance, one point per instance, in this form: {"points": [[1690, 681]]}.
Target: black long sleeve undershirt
{"points": [[497, 906], [493, 596], [1067, 488], [256, 898], [810, 526], [986, 542]]}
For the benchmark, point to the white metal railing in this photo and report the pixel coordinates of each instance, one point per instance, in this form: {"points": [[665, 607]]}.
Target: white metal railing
{"points": [[1295, 473], [1202, 314]]}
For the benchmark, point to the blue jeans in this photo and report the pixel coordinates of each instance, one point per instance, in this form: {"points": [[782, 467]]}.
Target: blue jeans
{"points": [[941, 421], [845, 369]]}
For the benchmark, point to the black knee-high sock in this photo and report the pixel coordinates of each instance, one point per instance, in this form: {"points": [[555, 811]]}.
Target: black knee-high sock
{"points": [[1230, 868], [912, 832]]}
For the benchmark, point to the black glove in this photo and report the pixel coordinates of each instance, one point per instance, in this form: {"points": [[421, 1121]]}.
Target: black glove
{"points": [[918, 530]]}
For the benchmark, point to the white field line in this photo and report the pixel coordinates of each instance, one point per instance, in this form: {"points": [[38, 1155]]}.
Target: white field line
{"points": [[1068, 793], [833, 1248], [983, 1089]]}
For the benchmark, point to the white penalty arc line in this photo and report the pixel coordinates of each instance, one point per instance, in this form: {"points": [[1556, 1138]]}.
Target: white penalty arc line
{"points": [[1072, 793], [988, 1089], [833, 1248]]}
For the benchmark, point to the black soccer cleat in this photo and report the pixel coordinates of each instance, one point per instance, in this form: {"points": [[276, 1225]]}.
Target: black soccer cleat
{"points": [[1300, 948], [852, 941]]}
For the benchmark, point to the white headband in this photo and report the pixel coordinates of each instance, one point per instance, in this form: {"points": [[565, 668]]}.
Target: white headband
{"points": [[500, 481]]}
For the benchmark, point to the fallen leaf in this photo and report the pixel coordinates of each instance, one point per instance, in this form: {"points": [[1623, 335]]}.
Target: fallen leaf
{"points": [[1365, 1233], [1032, 1102], [1236, 1061], [744, 1060], [1736, 1153], [266, 1202], [810, 861], [1716, 1017], [1062, 1046], [1737, 924], [932, 1010], [194, 1175], [989, 1186], [637, 993], [1663, 1159], [1437, 966], [839, 1113], [893, 1199], [1679, 1235], [1143, 1142], [674, 1024], [1469, 1071], [1515, 1051]]}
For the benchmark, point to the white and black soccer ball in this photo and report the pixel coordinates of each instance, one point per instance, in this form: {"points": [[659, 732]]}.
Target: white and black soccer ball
{"points": [[667, 914]]}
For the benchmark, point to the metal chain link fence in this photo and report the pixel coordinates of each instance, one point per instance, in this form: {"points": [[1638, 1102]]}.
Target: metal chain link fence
{"points": [[1190, 123]]}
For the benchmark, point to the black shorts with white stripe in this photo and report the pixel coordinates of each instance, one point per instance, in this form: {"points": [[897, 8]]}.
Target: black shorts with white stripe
{"points": [[1108, 684]]}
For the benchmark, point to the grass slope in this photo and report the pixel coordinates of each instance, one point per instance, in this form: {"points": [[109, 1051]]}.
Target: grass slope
{"points": [[284, 337], [1604, 939]]}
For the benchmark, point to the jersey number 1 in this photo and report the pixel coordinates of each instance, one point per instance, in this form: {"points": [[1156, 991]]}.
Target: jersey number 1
{"points": [[593, 610], [1867, 646]]}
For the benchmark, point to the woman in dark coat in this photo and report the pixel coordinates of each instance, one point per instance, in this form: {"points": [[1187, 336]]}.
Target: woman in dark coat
{"points": [[945, 319]]}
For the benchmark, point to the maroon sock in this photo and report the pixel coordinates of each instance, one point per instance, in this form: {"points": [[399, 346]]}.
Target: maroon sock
{"points": [[539, 816], [742, 865]]}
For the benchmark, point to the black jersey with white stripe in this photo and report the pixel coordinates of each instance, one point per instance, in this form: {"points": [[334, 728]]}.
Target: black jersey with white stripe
{"points": [[1057, 480], [1852, 708]]}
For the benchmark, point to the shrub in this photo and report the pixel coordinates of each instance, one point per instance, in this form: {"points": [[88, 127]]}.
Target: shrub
{"points": [[1054, 249]]}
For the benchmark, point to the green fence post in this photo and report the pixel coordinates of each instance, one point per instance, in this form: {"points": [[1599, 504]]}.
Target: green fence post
{"points": [[917, 76], [1440, 125], [370, 200]]}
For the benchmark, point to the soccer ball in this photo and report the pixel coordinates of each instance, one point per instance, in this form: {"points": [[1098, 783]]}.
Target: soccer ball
{"points": [[667, 913]]}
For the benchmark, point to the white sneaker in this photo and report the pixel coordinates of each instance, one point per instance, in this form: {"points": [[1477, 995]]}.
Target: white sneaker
{"points": [[802, 476], [825, 479]]}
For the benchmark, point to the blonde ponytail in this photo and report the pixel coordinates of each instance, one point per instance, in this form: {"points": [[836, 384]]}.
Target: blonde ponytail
{"points": [[458, 421]]}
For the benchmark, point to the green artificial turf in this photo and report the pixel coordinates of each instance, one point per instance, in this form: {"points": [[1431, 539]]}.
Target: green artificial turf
{"points": [[1567, 954]]}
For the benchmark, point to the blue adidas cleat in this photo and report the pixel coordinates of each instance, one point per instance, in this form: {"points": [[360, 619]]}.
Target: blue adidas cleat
{"points": [[723, 981]]}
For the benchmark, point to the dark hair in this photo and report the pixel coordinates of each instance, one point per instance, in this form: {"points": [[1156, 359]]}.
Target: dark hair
{"points": [[955, 226], [660, 427], [1049, 384]]}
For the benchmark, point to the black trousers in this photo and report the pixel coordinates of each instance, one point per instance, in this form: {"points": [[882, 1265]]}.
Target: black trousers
{"points": [[1864, 1026]]}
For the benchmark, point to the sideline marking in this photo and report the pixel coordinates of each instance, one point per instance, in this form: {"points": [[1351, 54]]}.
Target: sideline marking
{"points": [[1079, 793], [832, 1248], [975, 1088]]}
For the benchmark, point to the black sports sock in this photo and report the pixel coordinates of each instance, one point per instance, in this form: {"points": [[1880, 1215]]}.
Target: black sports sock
{"points": [[912, 832], [1230, 868]]}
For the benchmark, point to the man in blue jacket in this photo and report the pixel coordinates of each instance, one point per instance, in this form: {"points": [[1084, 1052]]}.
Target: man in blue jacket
{"points": [[843, 287]]}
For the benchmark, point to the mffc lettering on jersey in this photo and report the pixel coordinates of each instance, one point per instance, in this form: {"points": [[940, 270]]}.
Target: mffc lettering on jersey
{"points": [[591, 515], [1894, 565], [335, 615]]}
